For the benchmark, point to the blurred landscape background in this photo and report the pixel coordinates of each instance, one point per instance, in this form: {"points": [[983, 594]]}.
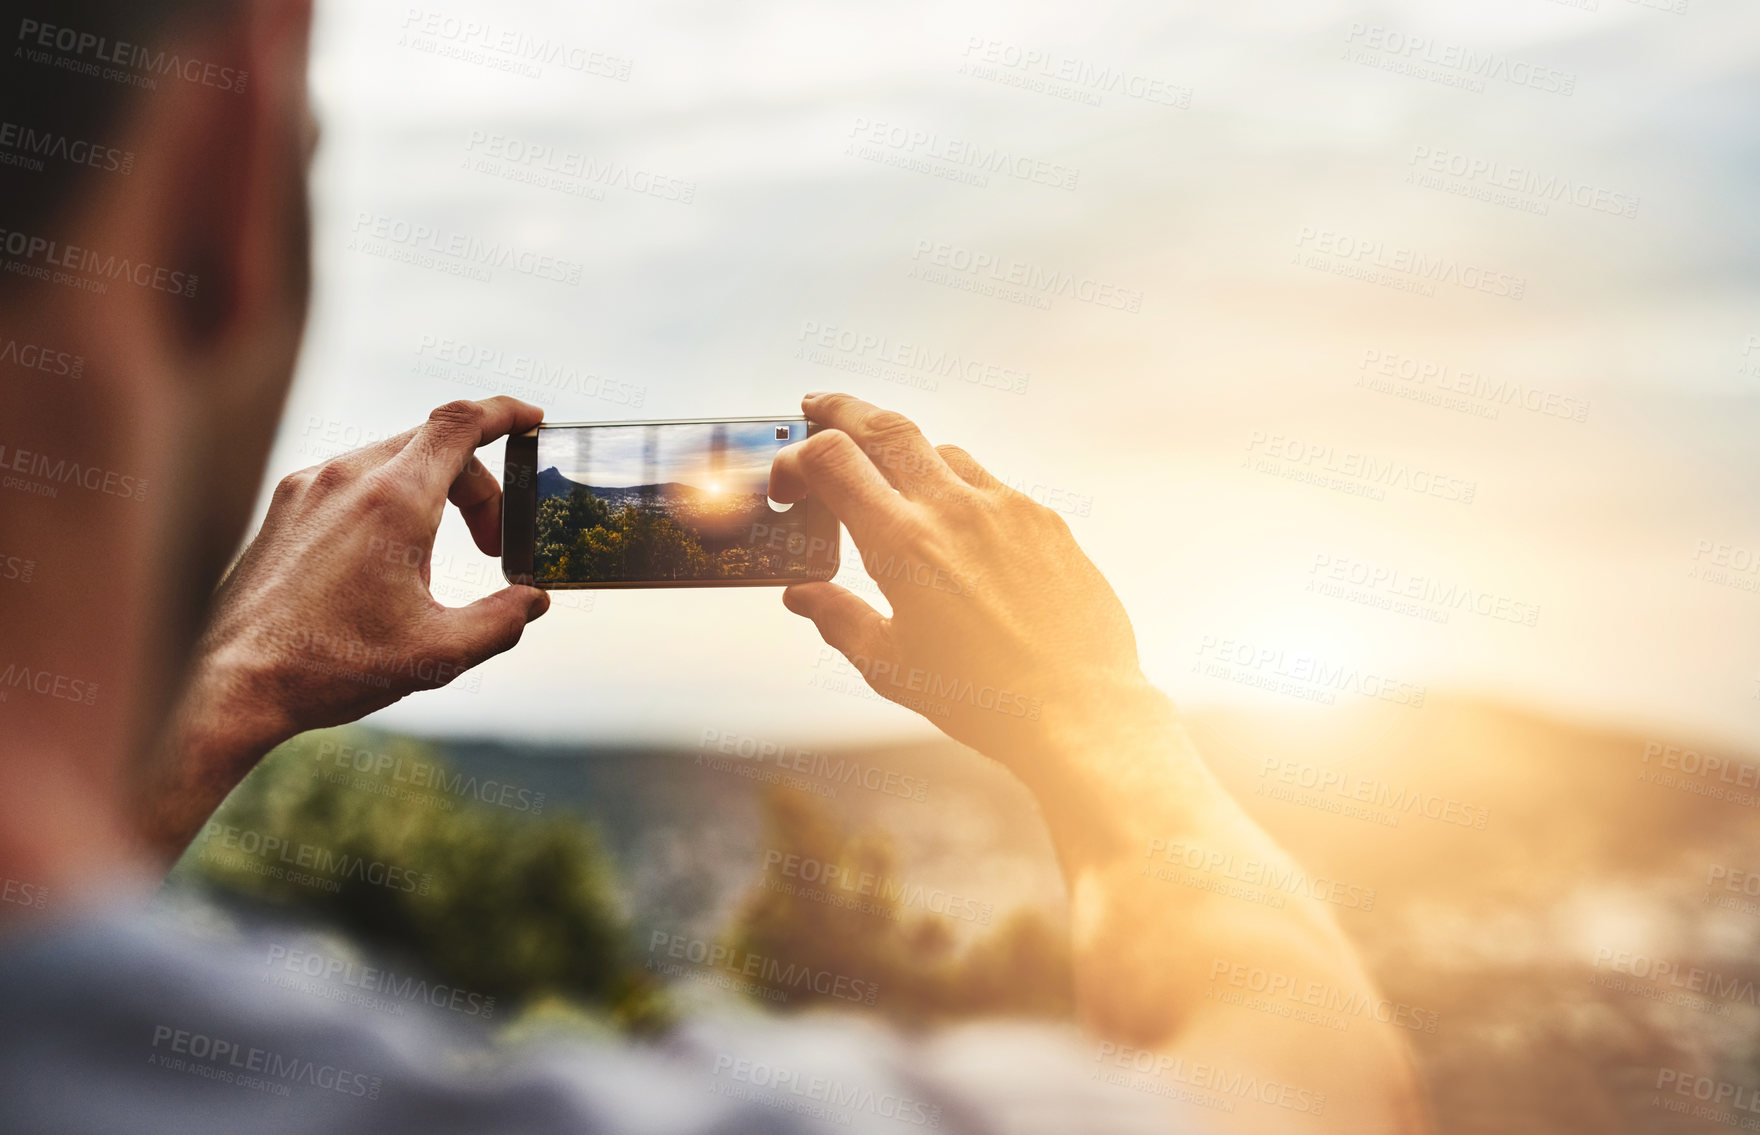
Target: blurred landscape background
{"points": [[1417, 342], [1502, 931]]}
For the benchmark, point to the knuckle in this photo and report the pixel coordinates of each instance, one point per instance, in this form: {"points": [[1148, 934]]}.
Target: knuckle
{"points": [[459, 414], [380, 493], [329, 477], [828, 449], [292, 485], [888, 426]]}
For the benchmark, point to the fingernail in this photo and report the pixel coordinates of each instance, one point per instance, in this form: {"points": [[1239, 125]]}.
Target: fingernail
{"points": [[539, 605]]}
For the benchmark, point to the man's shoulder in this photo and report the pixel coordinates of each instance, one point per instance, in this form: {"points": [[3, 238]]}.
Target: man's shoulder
{"points": [[135, 1022], [198, 1023]]}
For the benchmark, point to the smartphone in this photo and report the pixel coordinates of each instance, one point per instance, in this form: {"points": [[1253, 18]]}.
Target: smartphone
{"points": [[658, 504]]}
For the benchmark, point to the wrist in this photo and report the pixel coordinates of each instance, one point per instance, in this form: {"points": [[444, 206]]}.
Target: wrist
{"points": [[223, 724], [230, 710], [1112, 768]]}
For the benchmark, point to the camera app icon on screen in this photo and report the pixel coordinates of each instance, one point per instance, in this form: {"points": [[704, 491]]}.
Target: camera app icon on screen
{"points": [[781, 433]]}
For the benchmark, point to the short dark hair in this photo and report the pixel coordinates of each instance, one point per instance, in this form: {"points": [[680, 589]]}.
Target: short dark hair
{"points": [[74, 73]]}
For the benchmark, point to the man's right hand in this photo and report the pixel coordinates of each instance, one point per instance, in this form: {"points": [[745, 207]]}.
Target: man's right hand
{"points": [[1002, 632]]}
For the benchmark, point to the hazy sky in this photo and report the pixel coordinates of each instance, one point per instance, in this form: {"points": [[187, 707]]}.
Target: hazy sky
{"points": [[1300, 310], [618, 456]]}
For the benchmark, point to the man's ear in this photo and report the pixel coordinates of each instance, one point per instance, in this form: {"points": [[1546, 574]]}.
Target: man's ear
{"points": [[222, 181]]}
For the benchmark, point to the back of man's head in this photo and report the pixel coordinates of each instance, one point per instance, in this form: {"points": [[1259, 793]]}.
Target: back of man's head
{"points": [[153, 248], [75, 74]]}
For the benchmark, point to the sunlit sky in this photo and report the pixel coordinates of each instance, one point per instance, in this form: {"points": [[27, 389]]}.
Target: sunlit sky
{"points": [[619, 456], [727, 205]]}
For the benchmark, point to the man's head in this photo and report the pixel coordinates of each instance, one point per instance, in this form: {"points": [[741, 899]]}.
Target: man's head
{"points": [[154, 268]]}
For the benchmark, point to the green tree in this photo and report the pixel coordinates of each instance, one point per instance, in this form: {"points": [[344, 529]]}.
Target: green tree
{"points": [[502, 903], [580, 537], [1019, 968]]}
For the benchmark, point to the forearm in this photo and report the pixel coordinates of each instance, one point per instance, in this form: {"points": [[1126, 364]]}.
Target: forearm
{"points": [[1164, 963], [221, 728]]}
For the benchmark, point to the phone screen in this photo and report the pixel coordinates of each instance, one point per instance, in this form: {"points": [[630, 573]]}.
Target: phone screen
{"points": [[668, 503]]}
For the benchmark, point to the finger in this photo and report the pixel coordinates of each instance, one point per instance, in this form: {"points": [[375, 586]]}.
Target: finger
{"points": [[477, 495], [493, 624], [830, 467], [444, 444], [374, 454], [362, 460], [891, 440], [967, 467], [845, 620]]}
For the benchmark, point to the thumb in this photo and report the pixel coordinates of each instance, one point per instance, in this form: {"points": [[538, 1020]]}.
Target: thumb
{"points": [[494, 623]]}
